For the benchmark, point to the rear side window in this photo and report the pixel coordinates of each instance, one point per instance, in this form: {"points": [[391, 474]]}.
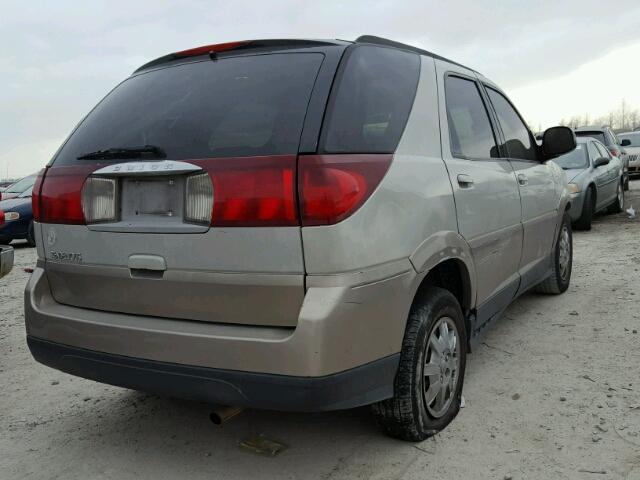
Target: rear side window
{"points": [[22, 185], [470, 132], [371, 101], [595, 134], [232, 107], [517, 138]]}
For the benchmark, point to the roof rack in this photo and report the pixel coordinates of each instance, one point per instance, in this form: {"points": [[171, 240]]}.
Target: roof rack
{"points": [[372, 39]]}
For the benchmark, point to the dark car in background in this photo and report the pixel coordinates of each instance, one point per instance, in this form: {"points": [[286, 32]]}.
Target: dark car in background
{"points": [[19, 187], [606, 136], [18, 219]]}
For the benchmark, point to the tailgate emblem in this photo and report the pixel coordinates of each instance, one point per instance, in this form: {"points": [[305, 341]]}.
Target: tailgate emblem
{"points": [[51, 237], [66, 257]]}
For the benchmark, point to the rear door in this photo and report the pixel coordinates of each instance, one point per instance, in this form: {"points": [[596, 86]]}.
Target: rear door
{"points": [[537, 185], [208, 229], [608, 175], [484, 186]]}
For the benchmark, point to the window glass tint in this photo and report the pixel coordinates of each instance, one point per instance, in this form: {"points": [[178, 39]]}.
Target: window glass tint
{"points": [[371, 101], [597, 135], [634, 138], [575, 159], [22, 185], [470, 132], [241, 106], [517, 138]]}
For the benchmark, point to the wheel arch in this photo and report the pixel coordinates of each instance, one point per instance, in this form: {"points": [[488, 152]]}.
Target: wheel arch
{"points": [[444, 260]]}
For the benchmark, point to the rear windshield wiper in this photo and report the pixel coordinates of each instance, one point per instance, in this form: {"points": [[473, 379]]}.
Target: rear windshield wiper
{"points": [[150, 151]]}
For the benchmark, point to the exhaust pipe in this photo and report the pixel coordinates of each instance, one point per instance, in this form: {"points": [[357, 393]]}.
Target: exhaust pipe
{"points": [[224, 413]]}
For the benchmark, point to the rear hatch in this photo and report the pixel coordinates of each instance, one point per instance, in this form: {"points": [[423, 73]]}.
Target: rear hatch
{"points": [[176, 196]]}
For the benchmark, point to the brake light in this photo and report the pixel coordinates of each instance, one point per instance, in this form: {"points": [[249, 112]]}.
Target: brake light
{"points": [[217, 48], [1, 218], [60, 199], [35, 194], [614, 151], [253, 191], [332, 187]]}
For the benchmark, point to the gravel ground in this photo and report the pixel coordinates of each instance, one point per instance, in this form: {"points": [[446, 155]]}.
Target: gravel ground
{"points": [[552, 392]]}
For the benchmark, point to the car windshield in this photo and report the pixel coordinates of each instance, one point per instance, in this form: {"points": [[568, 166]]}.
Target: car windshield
{"points": [[593, 134], [634, 138], [574, 159], [22, 185]]}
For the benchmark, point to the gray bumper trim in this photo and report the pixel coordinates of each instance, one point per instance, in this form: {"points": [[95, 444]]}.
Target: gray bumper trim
{"points": [[352, 388]]}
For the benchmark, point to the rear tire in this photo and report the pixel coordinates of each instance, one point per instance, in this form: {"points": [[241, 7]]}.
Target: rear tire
{"points": [[430, 361], [588, 207], [560, 277], [618, 204], [31, 238]]}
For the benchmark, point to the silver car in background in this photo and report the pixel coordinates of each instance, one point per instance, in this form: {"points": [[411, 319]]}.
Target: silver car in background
{"points": [[631, 143], [595, 181]]}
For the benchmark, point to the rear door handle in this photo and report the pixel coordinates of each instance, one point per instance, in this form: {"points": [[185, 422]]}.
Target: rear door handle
{"points": [[522, 179], [465, 181]]}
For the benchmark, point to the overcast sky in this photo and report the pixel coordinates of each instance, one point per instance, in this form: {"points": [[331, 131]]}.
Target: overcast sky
{"points": [[554, 58]]}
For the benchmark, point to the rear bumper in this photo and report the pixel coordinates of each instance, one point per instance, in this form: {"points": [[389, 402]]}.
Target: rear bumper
{"points": [[348, 335], [358, 386]]}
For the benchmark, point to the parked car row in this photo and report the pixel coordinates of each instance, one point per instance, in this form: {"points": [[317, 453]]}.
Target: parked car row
{"points": [[316, 225]]}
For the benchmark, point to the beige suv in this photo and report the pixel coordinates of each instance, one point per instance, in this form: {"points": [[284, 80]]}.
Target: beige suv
{"points": [[295, 225]]}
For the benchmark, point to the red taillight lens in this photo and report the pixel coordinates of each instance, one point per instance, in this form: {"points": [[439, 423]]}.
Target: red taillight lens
{"points": [[1, 218], [35, 194], [217, 48], [614, 151], [253, 191], [332, 187], [60, 199]]}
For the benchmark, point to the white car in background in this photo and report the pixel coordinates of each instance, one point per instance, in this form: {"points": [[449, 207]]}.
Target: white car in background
{"points": [[630, 141]]}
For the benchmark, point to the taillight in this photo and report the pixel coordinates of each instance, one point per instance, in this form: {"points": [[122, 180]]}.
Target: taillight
{"points": [[1, 218], [199, 199], [60, 196], [35, 194], [253, 191], [332, 187], [614, 151], [99, 200]]}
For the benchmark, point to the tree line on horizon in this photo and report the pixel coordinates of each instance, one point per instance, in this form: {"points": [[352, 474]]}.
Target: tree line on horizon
{"points": [[621, 119]]}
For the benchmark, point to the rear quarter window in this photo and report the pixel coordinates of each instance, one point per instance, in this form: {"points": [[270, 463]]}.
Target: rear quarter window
{"points": [[234, 107], [371, 100]]}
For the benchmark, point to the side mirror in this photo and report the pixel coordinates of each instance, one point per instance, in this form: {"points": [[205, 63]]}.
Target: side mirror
{"points": [[625, 142], [599, 162], [557, 141]]}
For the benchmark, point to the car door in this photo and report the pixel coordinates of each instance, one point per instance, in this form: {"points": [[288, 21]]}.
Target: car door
{"points": [[537, 185], [610, 175], [484, 188]]}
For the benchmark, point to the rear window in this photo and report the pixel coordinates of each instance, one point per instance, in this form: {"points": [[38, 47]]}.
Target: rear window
{"points": [[369, 107], [575, 159], [597, 135], [240, 106]]}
